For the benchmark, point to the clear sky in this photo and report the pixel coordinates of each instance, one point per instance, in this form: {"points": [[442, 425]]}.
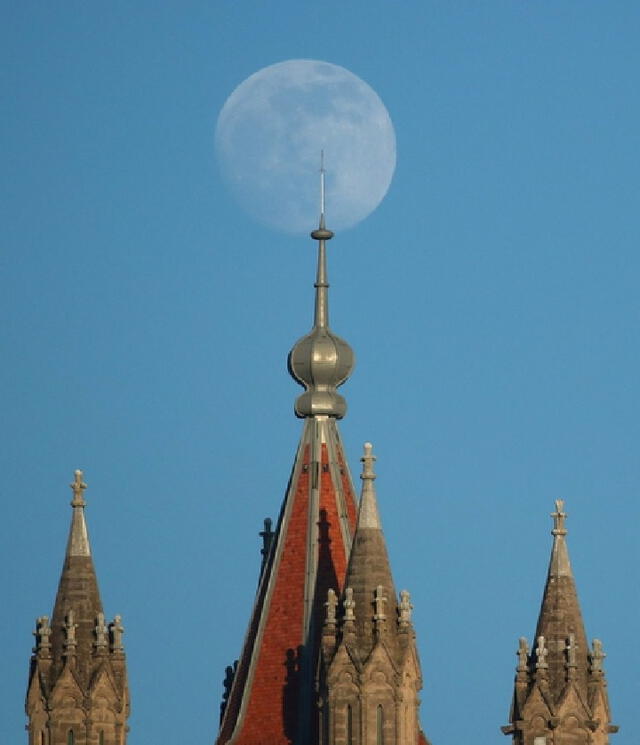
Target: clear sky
{"points": [[492, 302]]}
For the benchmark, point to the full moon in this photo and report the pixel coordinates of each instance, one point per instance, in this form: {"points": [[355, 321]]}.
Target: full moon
{"points": [[272, 129]]}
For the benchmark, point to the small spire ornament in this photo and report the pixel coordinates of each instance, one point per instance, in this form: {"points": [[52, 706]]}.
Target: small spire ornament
{"points": [[523, 655], [70, 627], [43, 634], [331, 605], [404, 609], [541, 655], [77, 487], [349, 605], [380, 604], [559, 516], [117, 630], [102, 634], [597, 657], [571, 657]]}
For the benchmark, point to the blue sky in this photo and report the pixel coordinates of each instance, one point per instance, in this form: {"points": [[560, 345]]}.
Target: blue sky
{"points": [[491, 301]]}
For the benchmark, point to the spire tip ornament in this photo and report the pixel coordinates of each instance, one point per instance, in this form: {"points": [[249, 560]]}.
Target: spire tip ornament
{"points": [[322, 234], [368, 516], [368, 459], [77, 487], [321, 361], [559, 516]]}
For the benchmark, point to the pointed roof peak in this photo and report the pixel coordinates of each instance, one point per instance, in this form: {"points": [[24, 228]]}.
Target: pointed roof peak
{"points": [[560, 621], [559, 516], [368, 516], [77, 603], [78, 544], [369, 574], [77, 487], [561, 668], [559, 566]]}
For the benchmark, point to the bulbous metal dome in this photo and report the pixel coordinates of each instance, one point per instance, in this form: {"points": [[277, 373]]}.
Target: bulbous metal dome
{"points": [[321, 361]]}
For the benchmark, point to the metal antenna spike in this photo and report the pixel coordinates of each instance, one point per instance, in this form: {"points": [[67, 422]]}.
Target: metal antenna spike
{"points": [[321, 187]]}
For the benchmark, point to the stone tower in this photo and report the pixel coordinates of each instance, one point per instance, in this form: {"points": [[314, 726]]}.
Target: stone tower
{"points": [[369, 676], [77, 692], [560, 695], [270, 696]]}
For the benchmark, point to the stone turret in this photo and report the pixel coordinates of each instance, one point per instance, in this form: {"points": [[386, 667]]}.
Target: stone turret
{"points": [[78, 692], [560, 695], [369, 676]]}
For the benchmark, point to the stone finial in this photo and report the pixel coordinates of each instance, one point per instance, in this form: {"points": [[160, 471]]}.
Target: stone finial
{"points": [[571, 656], [368, 459], [229, 675], [541, 655], [331, 605], [70, 627], [267, 538], [404, 609], [368, 516], [77, 487], [102, 634], [380, 602], [43, 634], [117, 630], [559, 516], [523, 655], [349, 605], [597, 656]]}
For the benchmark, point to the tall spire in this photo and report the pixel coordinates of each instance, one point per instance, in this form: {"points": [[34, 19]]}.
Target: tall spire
{"points": [[321, 361], [78, 586], [560, 616], [78, 656], [272, 697], [560, 682]]}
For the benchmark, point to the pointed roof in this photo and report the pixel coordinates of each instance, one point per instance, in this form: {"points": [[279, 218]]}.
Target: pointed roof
{"points": [[560, 675], [78, 648], [560, 620], [78, 587], [272, 695], [369, 573]]}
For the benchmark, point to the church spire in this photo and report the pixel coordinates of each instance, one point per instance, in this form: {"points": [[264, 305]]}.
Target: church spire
{"points": [[560, 616], [78, 656], [78, 587], [272, 696], [560, 683]]}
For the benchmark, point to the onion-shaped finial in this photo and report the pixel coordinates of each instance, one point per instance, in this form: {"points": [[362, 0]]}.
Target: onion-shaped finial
{"points": [[321, 361]]}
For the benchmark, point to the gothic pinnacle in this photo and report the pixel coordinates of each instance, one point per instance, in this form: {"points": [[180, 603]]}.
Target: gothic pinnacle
{"points": [[78, 544], [368, 517]]}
